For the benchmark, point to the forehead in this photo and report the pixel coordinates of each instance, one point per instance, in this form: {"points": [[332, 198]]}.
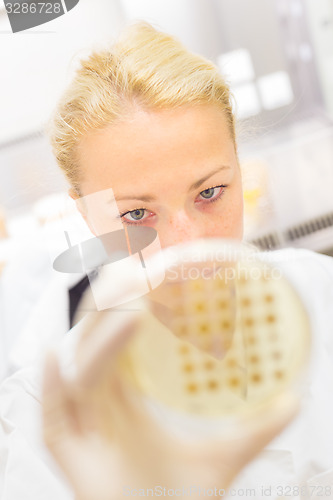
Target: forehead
{"points": [[154, 147]]}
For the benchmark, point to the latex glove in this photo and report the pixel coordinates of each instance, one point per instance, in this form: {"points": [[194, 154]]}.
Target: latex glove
{"points": [[105, 441]]}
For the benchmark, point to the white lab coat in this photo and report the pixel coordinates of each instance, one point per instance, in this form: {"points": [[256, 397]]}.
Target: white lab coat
{"points": [[302, 456]]}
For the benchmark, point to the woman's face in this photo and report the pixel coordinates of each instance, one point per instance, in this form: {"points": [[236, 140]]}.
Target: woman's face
{"points": [[174, 170]]}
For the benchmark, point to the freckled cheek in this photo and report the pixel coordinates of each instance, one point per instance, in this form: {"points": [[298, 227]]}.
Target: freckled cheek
{"points": [[235, 215], [228, 223], [236, 231]]}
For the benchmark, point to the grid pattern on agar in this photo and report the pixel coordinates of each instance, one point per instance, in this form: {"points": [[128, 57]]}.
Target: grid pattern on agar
{"points": [[264, 333], [208, 324], [228, 344], [252, 351], [203, 375]]}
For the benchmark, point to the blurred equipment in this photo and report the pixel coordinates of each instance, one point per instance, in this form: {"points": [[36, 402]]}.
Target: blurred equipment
{"points": [[3, 236], [3, 225], [288, 179]]}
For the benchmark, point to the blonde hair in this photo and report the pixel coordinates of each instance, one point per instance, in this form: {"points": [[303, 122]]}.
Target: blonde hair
{"points": [[145, 68]]}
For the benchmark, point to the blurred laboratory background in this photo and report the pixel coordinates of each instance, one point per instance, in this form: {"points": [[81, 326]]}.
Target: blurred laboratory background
{"points": [[277, 56]]}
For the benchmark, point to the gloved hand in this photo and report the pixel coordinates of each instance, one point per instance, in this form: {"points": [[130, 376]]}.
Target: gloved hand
{"points": [[106, 441]]}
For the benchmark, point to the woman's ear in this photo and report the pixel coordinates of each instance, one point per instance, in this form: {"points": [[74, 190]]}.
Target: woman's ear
{"points": [[81, 207]]}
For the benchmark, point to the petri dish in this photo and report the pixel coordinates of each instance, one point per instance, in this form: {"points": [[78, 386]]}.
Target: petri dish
{"points": [[223, 334]]}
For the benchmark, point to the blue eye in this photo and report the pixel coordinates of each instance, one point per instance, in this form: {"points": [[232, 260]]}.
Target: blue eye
{"points": [[137, 214], [211, 194], [208, 193]]}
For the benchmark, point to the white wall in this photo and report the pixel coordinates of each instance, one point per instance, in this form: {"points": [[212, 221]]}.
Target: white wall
{"points": [[194, 22], [320, 21], [36, 64]]}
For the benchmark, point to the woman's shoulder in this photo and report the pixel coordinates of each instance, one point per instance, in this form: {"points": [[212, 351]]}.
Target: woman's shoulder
{"points": [[306, 262], [311, 275]]}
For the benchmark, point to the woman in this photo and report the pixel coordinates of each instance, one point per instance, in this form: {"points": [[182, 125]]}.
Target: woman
{"points": [[153, 123]]}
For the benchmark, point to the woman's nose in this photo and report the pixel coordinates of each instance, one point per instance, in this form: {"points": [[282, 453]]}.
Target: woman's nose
{"points": [[179, 228]]}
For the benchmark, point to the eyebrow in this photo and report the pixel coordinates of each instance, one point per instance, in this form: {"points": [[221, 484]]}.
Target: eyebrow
{"points": [[195, 185]]}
